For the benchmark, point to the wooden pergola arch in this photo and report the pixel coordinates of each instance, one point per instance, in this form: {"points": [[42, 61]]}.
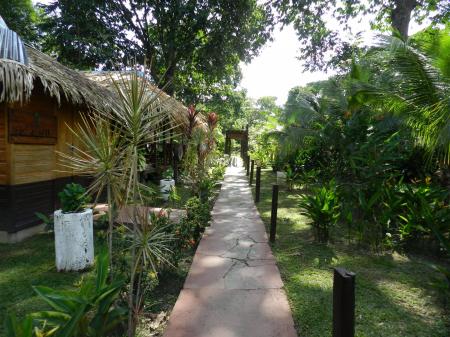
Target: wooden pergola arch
{"points": [[241, 135]]}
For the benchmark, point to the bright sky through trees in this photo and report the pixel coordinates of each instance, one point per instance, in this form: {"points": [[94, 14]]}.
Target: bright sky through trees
{"points": [[277, 69]]}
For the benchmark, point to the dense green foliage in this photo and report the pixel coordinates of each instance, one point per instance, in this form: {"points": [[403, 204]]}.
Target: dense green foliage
{"points": [[322, 207], [397, 295], [371, 149], [96, 305], [190, 48], [73, 198]]}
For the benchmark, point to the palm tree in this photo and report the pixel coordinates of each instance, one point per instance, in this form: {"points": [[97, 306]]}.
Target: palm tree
{"points": [[419, 89], [310, 116]]}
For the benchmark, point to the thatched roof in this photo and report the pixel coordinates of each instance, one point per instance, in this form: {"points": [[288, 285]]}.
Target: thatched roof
{"points": [[93, 89], [178, 112], [18, 80]]}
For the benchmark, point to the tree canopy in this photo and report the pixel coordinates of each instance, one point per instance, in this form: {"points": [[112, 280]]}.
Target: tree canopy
{"points": [[188, 46], [21, 17], [323, 45]]}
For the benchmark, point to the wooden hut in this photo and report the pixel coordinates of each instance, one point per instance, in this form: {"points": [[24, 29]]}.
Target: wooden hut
{"points": [[37, 102]]}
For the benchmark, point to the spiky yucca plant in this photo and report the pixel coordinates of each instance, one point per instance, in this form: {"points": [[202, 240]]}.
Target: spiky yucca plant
{"points": [[99, 154], [142, 116], [111, 142]]}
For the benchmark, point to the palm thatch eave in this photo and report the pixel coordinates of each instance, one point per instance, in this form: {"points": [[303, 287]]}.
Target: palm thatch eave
{"points": [[17, 82], [178, 112]]}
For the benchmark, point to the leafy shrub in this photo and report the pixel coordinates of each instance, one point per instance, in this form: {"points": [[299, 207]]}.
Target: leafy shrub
{"points": [[291, 177], [73, 198], [323, 209], [198, 212], [185, 232], [425, 211], [91, 311], [191, 226], [217, 172], [206, 187], [168, 174]]}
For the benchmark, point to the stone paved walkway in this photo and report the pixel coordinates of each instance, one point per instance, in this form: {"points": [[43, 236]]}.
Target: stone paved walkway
{"points": [[234, 287]]}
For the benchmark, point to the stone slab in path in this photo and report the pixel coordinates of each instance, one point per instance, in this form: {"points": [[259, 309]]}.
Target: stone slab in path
{"points": [[231, 313], [233, 288]]}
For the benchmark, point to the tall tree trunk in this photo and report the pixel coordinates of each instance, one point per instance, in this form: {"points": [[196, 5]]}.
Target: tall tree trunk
{"points": [[168, 81], [401, 15]]}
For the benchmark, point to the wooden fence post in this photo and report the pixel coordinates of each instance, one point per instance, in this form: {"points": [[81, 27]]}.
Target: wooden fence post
{"points": [[273, 217], [252, 168], [343, 303], [258, 184], [247, 165]]}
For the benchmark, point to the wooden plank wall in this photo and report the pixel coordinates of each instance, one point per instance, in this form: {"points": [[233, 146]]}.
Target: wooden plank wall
{"points": [[29, 163], [30, 174]]}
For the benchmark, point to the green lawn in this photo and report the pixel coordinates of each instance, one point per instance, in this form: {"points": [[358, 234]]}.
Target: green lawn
{"points": [[32, 262], [395, 294], [28, 263]]}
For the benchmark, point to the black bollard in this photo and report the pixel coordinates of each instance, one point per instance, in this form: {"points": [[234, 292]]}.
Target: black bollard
{"points": [[343, 303], [252, 168], [273, 217], [258, 184]]}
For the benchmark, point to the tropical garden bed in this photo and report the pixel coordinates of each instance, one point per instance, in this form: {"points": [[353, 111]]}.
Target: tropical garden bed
{"points": [[397, 295], [32, 263], [141, 256]]}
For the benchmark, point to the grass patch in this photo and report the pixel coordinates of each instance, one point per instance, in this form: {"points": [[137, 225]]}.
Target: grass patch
{"points": [[395, 294], [25, 264], [32, 262]]}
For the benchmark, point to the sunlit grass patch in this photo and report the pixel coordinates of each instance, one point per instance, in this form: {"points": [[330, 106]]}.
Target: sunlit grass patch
{"points": [[395, 294]]}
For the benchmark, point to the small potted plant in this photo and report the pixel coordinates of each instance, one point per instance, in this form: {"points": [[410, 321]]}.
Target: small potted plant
{"points": [[74, 237], [166, 183]]}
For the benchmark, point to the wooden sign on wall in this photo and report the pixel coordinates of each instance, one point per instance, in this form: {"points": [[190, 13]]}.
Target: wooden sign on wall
{"points": [[26, 127]]}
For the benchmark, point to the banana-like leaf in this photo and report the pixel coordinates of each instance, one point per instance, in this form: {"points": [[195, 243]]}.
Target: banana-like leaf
{"points": [[55, 318], [64, 301]]}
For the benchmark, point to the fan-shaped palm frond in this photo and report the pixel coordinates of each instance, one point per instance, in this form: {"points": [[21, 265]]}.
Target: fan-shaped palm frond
{"points": [[311, 116], [421, 91]]}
